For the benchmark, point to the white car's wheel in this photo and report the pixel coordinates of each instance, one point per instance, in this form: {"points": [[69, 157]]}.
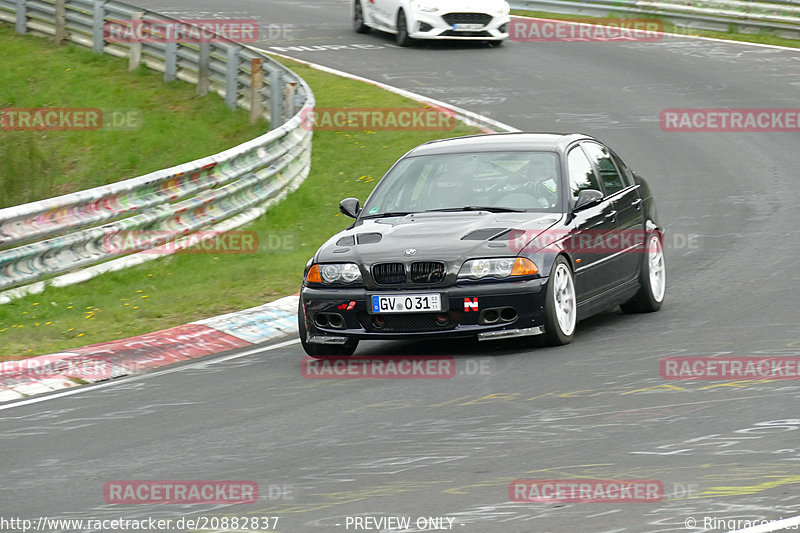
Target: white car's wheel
{"points": [[358, 18], [402, 38]]}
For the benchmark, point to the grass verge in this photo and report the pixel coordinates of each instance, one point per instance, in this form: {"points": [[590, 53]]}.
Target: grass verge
{"points": [[171, 124], [760, 38], [178, 289]]}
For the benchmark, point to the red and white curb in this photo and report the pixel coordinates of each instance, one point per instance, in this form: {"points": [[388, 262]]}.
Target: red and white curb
{"points": [[108, 360]]}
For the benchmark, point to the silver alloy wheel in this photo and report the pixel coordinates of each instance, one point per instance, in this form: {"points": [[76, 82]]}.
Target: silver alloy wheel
{"points": [[564, 293], [656, 268]]}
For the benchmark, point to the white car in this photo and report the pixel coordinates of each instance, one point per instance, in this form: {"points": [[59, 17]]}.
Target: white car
{"points": [[482, 20]]}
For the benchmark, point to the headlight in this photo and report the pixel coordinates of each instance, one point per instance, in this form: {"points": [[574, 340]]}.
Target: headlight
{"points": [[501, 7], [334, 273], [498, 268], [424, 5]]}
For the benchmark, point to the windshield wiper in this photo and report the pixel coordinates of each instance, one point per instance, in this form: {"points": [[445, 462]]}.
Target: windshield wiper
{"points": [[491, 209], [390, 214]]}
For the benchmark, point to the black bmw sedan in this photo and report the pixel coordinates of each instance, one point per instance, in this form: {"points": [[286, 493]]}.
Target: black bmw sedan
{"points": [[487, 236]]}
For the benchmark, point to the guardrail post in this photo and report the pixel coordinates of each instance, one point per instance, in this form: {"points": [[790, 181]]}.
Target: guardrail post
{"points": [[232, 77], [98, 27], [22, 16], [61, 21], [275, 98], [135, 48], [288, 99], [256, 81], [170, 61], [203, 71]]}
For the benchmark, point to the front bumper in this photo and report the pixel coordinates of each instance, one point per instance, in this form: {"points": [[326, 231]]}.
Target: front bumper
{"points": [[434, 26], [333, 315]]}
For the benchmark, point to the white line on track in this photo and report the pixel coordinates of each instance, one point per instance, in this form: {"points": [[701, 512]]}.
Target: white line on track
{"points": [[139, 377], [478, 119]]}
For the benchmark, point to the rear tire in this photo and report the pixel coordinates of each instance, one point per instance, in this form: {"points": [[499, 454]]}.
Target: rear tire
{"points": [[358, 18], [402, 37], [321, 351], [653, 279], [561, 305]]}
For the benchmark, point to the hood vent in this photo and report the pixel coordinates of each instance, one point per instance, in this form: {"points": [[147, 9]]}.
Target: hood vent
{"points": [[483, 234], [369, 238]]}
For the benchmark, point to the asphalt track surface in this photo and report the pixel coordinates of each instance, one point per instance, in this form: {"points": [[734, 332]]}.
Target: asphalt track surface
{"points": [[597, 408]]}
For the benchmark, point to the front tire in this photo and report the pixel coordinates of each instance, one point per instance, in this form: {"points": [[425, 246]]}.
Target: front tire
{"points": [[321, 351], [653, 279], [358, 18], [561, 305], [402, 38]]}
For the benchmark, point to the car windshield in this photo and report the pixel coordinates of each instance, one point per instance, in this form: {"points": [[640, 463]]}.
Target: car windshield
{"points": [[495, 181]]}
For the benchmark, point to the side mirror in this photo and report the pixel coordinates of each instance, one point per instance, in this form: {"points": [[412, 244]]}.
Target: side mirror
{"points": [[350, 207], [587, 198]]}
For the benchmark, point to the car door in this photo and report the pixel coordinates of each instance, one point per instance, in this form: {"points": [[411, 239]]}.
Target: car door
{"points": [[590, 225], [619, 187], [384, 12]]}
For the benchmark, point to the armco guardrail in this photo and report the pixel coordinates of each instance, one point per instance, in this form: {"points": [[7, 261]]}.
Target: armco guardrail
{"points": [[781, 18], [67, 235]]}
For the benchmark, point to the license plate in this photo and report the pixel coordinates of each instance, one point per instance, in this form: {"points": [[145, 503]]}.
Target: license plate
{"points": [[467, 27], [406, 303]]}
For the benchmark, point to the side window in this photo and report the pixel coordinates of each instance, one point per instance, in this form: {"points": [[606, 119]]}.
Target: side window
{"points": [[581, 173], [623, 169], [609, 174]]}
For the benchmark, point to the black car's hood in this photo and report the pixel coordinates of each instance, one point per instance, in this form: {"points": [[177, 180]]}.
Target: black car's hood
{"points": [[448, 237]]}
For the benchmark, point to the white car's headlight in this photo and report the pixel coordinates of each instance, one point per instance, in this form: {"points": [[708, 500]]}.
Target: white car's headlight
{"points": [[503, 8], [498, 268], [424, 5]]}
